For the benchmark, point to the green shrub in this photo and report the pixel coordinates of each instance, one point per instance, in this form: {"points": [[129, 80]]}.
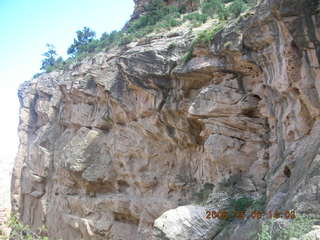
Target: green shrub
{"points": [[167, 23], [156, 11], [37, 75], [172, 46], [82, 42], [215, 7], [240, 204], [237, 7], [187, 57], [125, 39], [218, 7], [266, 230], [259, 204], [182, 9], [244, 203], [296, 228], [202, 196], [206, 36], [107, 40], [224, 14], [20, 231], [202, 18], [173, 22], [143, 32], [157, 16], [51, 62], [211, 7]]}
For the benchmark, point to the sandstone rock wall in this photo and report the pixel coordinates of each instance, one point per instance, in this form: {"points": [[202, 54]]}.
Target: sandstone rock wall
{"points": [[117, 140]]}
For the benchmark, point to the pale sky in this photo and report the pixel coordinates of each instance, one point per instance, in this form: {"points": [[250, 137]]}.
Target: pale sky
{"points": [[25, 28]]}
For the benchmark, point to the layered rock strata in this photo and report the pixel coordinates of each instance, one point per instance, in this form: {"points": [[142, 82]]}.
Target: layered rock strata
{"points": [[112, 143]]}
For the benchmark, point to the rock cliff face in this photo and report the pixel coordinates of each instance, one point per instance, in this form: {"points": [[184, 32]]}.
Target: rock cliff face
{"points": [[117, 146]]}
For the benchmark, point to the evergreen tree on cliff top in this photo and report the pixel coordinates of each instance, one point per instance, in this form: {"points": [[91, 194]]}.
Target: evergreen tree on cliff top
{"points": [[83, 38], [50, 57]]}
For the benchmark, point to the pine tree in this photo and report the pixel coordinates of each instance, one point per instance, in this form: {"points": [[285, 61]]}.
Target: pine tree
{"points": [[50, 57]]}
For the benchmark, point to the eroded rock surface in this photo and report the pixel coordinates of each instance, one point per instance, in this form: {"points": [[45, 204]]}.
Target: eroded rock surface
{"points": [[111, 144]]}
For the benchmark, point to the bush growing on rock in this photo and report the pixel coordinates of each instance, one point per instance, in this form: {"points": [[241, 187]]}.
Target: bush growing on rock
{"points": [[241, 204], [213, 7], [237, 7], [197, 17], [295, 229], [50, 59], [20, 231], [202, 196], [82, 42], [156, 11]]}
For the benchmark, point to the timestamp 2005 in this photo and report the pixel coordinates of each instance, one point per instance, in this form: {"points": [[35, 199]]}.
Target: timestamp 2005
{"points": [[225, 214]]}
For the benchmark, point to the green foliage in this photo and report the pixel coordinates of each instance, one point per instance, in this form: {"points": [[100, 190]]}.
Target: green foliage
{"points": [[51, 61], [125, 39], [20, 231], [202, 196], [266, 230], [187, 57], [296, 228], [158, 15], [195, 16], [172, 46], [244, 203], [83, 46], [259, 204], [166, 23], [82, 42], [241, 204], [237, 7], [206, 36], [299, 226], [182, 5], [50, 57], [37, 75], [156, 12], [107, 40], [218, 7], [215, 7]]}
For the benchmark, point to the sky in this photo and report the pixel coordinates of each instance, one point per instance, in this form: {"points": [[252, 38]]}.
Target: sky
{"points": [[26, 26]]}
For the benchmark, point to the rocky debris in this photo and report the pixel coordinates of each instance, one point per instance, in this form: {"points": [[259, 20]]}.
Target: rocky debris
{"points": [[193, 221], [186, 222], [120, 142]]}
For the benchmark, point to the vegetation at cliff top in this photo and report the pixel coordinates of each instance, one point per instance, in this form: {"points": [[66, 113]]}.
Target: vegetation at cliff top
{"points": [[204, 38], [158, 16]]}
